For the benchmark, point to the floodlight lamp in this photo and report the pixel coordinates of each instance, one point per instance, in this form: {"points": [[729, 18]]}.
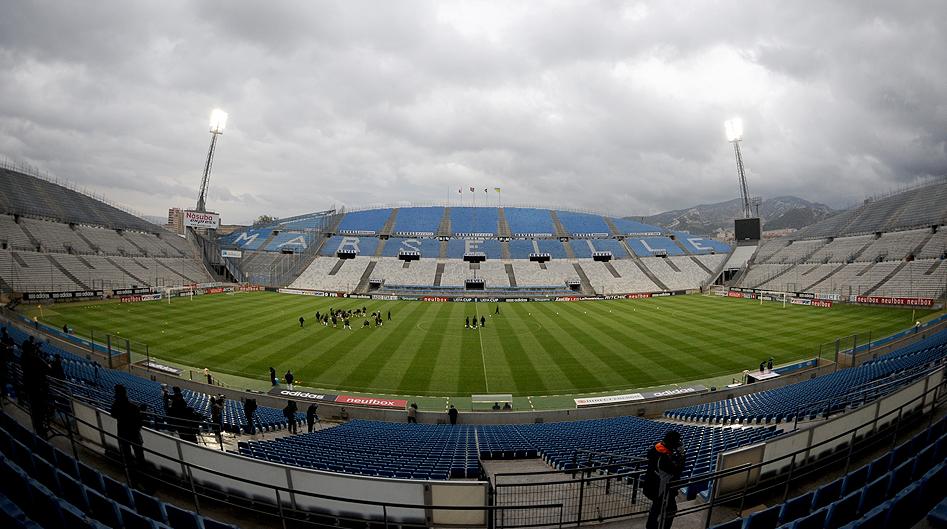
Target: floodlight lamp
{"points": [[218, 120], [734, 129]]}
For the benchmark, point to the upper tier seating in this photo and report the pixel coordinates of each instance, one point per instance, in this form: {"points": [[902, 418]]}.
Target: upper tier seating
{"points": [[418, 221], [526, 222], [428, 247], [795, 252], [28, 195], [647, 246], [582, 223], [911, 209], [13, 236], [367, 222], [587, 247], [480, 222], [840, 250], [55, 236], [701, 245], [363, 246], [632, 227], [826, 394], [894, 246], [108, 241], [288, 241], [456, 248]]}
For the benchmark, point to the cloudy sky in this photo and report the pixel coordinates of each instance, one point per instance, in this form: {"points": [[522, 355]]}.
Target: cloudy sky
{"points": [[612, 106]]}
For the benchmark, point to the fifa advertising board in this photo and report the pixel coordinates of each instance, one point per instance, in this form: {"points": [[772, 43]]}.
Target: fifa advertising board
{"points": [[197, 219]]}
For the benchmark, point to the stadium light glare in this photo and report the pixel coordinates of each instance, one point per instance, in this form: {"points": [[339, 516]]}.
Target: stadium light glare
{"points": [[218, 120], [734, 129]]}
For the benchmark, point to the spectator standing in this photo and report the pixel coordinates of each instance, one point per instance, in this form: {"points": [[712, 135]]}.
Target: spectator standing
{"points": [[249, 411], [665, 464], [35, 372], [452, 415], [289, 411], [273, 380], [311, 417], [413, 413], [210, 380], [128, 420], [288, 377]]}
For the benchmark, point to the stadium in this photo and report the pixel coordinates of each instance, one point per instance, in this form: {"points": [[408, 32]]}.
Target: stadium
{"points": [[465, 363]]}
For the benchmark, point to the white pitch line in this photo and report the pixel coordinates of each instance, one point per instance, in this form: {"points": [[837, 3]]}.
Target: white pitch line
{"points": [[483, 359]]}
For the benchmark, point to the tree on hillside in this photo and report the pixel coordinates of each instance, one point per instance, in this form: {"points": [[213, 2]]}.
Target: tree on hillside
{"points": [[263, 220]]}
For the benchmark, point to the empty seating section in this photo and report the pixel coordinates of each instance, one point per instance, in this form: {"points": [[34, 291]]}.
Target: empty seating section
{"points": [[409, 451], [48, 488], [689, 277], [108, 241], [55, 236], [555, 274], [153, 245], [796, 252], [893, 246], [768, 249], [895, 490], [423, 451], [13, 236], [583, 223], [317, 275], [712, 262], [632, 227], [701, 245], [317, 221], [586, 247], [841, 250], [456, 273], [521, 248], [925, 278], [369, 221], [96, 384], [631, 279], [474, 221], [27, 195], [364, 246], [418, 221], [33, 272], [456, 248], [915, 208], [826, 394], [251, 239], [551, 246], [418, 274], [289, 241], [525, 222], [428, 247], [648, 246], [762, 273], [936, 248], [494, 274]]}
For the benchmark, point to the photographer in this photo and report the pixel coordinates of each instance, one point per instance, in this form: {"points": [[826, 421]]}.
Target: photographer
{"points": [[665, 464], [217, 416], [249, 409]]}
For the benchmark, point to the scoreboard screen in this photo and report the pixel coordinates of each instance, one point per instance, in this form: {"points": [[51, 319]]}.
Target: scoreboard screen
{"points": [[747, 229]]}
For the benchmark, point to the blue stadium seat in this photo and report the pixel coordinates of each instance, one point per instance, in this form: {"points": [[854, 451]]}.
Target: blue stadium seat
{"points": [[874, 493], [149, 506], [842, 511], [903, 507], [814, 520], [133, 520], [826, 494], [795, 508], [854, 480], [765, 519], [104, 509], [179, 518]]}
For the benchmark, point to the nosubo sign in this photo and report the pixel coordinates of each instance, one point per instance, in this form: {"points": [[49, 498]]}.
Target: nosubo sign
{"points": [[196, 219]]}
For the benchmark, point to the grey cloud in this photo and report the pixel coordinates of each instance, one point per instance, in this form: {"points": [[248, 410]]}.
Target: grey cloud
{"points": [[600, 105]]}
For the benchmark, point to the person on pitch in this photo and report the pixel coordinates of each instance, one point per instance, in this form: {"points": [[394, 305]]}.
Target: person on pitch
{"points": [[302, 321], [483, 321]]}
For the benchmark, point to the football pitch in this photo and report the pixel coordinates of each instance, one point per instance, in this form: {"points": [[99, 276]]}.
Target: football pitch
{"points": [[527, 349]]}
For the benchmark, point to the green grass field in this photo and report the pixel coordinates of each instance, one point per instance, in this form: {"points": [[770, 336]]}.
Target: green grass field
{"points": [[528, 349]]}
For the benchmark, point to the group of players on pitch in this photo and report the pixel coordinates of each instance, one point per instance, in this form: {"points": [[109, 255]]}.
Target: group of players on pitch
{"points": [[335, 317]]}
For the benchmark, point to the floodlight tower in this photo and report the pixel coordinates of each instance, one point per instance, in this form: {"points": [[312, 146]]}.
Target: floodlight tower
{"points": [[734, 130], [218, 120]]}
